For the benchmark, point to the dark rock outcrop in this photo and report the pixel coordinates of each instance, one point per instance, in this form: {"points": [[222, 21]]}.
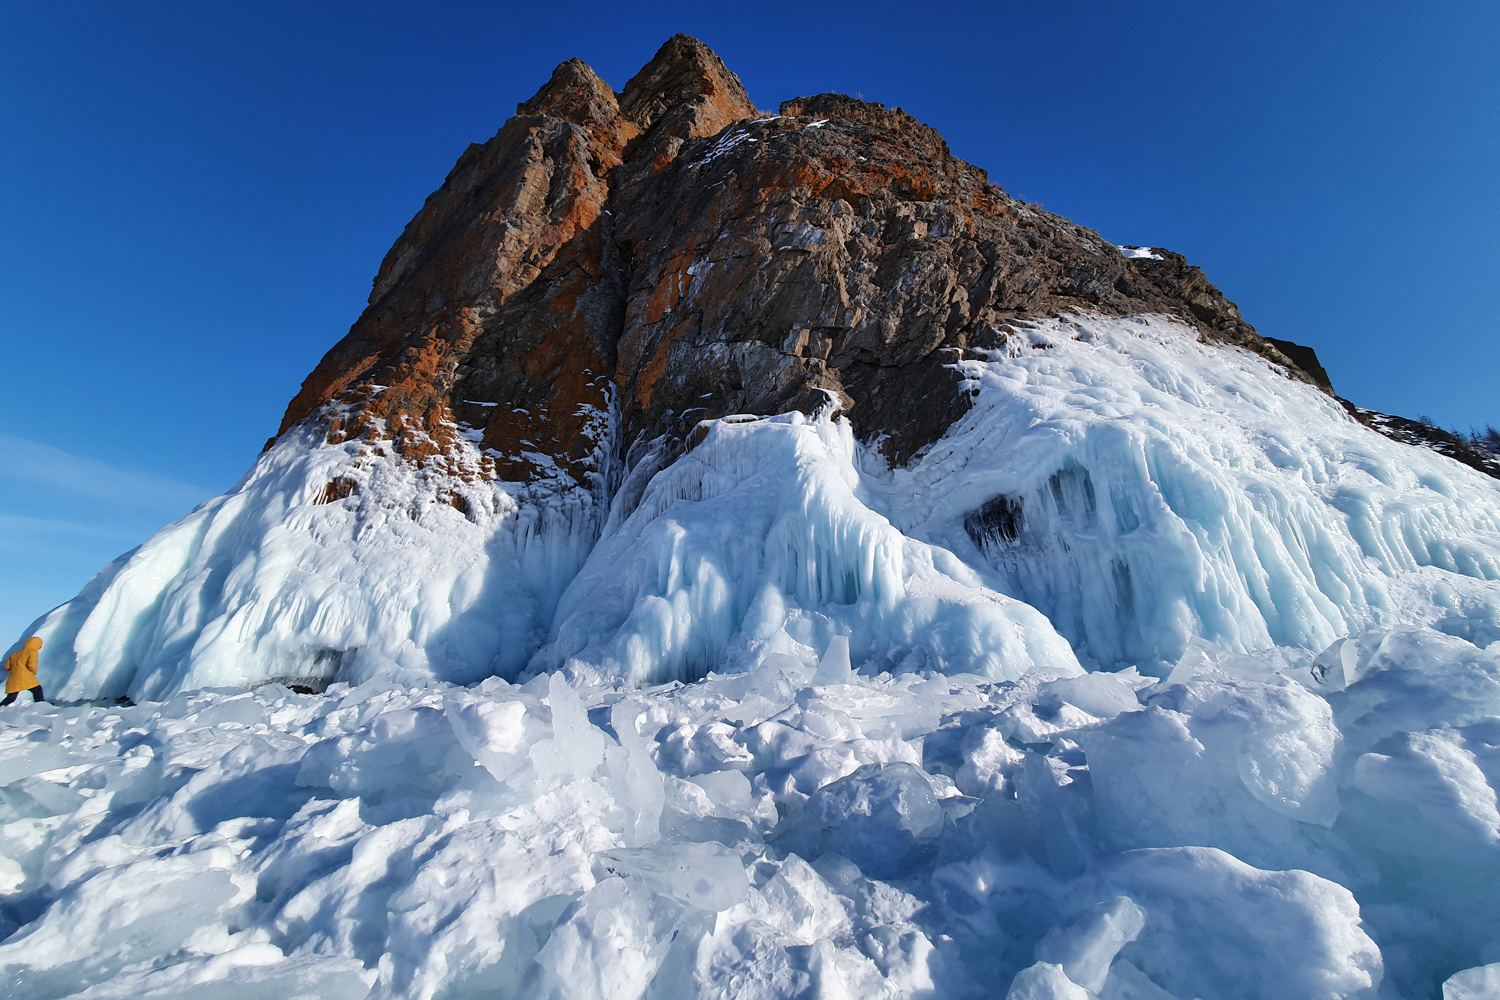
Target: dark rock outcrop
{"points": [[1427, 435], [1304, 358], [609, 269]]}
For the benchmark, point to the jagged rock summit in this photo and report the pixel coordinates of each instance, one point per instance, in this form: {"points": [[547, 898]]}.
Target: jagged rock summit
{"points": [[610, 269]]}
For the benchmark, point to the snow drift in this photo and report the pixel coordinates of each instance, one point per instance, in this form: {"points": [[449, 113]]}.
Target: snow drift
{"points": [[1137, 488]]}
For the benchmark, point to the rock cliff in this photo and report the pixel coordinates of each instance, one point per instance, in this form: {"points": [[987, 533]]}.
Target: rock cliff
{"points": [[610, 269]]}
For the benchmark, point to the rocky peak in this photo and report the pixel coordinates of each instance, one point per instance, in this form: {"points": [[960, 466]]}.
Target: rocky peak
{"points": [[609, 270], [871, 112], [685, 91], [576, 94]]}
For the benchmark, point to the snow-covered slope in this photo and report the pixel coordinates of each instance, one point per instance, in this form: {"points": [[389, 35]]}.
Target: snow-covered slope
{"points": [[411, 573], [1134, 486]]}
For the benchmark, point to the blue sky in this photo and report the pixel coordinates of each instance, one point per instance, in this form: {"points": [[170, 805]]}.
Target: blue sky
{"points": [[195, 197]]}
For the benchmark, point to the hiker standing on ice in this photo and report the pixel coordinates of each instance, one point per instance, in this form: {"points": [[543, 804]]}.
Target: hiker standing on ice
{"points": [[21, 665]]}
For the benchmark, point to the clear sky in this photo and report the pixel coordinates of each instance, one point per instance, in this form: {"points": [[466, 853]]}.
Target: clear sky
{"points": [[194, 197]]}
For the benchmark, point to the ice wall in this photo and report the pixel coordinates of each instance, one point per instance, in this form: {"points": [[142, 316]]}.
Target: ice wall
{"points": [[762, 538], [1135, 486], [1141, 488], [328, 561], [1116, 483]]}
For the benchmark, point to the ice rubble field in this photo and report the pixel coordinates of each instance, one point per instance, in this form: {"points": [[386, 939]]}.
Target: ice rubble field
{"points": [[1210, 813], [1258, 826]]}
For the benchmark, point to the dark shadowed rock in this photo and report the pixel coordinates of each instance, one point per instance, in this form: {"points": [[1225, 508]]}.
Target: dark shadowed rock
{"points": [[1304, 358]]}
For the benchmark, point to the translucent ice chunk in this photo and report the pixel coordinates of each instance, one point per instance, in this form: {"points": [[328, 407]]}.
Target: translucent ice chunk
{"points": [[1408, 680], [248, 973], [1086, 948], [834, 667], [1433, 779], [638, 784], [1126, 982], [1216, 927], [1232, 764], [28, 758], [607, 946], [1482, 983], [576, 746], [399, 748], [1045, 981], [708, 876], [496, 733], [729, 790], [1336, 667], [1100, 694], [787, 665]]}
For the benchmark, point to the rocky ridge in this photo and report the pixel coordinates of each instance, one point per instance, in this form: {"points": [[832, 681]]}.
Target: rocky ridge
{"points": [[610, 269]]}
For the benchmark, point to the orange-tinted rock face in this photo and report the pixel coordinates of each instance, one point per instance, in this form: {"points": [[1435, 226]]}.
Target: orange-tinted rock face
{"points": [[610, 269], [506, 281]]}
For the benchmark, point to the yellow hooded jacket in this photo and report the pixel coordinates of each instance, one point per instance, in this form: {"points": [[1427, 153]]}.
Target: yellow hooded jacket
{"points": [[22, 667]]}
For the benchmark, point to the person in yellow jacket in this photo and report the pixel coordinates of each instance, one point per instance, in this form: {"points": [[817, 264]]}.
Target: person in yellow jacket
{"points": [[21, 665]]}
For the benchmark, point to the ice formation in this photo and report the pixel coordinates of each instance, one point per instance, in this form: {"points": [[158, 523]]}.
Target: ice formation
{"points": [[1137, 488], [1142, 489], [766, 536], [328, 560], [1158, 676]]}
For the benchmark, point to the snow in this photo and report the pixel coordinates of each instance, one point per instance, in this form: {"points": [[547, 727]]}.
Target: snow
{"points": [[1474, 984], [1137, 253], [1157, 676], [733, 138], [1242, 830], [1142, 489]]}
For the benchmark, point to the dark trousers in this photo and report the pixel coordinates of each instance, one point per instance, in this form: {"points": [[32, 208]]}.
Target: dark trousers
{"points": [[36, 695]]}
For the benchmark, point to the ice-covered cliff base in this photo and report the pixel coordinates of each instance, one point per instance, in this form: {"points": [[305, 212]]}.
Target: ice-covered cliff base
{"points": [[1116, 490], [1254, 826]]}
